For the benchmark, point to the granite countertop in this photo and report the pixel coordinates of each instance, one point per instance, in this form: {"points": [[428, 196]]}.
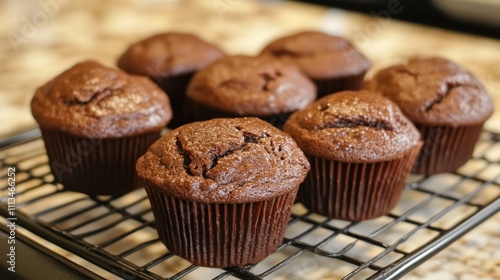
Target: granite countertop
{"points": [[40, 41]]}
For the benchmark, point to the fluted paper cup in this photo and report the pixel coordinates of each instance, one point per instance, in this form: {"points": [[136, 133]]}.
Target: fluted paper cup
{"points": [[445, 148], [202, 113], [329, 86], [220, 235], [355, 191], [175, 88], [95, 166]]}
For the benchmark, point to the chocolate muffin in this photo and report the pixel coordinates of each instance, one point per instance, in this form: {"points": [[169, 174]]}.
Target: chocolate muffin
{"points": [[333, 63], [221, 190], [361, 148], [96, 122], [246, 86], [447, 104], [170, 59]]}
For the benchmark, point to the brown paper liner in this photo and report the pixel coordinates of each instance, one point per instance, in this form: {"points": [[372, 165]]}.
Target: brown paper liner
{"points": [[203, 113], [200, 112], [355, 191], [329, 86], [175, 87], [95, 166], [445, 148], [221, 235]]}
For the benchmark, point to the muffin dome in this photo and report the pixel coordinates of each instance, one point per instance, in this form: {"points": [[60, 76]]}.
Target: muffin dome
{"points": [[332, 62], [353, 127], [434, 91], [319, 55], [168, 54], [251, 86], [95, 101], [224, 161]]}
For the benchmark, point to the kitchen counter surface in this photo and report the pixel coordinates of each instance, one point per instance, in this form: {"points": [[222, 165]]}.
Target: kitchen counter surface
{"points": [[39, 41]]}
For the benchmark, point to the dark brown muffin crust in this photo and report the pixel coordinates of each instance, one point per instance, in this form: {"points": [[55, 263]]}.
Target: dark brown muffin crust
{"points": [[353, 126], [224, 161], [319, 55], [251, 86], [434, 91], [94, 101], [168, 54]]}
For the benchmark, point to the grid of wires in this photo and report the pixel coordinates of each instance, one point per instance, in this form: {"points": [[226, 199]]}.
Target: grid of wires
{"points": [[119, 235]]}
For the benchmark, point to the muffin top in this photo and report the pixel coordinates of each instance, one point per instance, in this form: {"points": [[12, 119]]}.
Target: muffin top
{"points": [[94, 101], [252, 86], [353, 126], [168, 54], [319, 55], [434, 91], [224, 161]]}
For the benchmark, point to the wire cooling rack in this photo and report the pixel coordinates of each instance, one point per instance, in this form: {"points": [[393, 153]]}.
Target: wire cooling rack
{"points": [[118, 233]]}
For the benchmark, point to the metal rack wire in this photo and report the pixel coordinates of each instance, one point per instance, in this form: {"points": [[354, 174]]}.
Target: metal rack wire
{"points": [[118, 234]]}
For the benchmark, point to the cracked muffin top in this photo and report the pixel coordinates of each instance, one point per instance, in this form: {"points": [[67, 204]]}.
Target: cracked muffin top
{"points": [[353, 126], [94, 101], [434, 91], [319, 55], [168, 54], [224, 161], [252, 86]]}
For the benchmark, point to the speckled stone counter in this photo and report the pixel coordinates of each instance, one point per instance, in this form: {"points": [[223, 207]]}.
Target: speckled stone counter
{"points": [[39, 41]]}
